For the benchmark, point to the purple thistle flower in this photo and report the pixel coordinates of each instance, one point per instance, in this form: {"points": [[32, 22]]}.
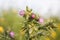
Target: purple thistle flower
{"points": [[33, 15], [22, 12], [12, 34], [41, 20]]}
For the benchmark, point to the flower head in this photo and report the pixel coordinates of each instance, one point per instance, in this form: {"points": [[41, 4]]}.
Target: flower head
{"points": [[1, 29], [41, 20], [33, 15], [22, 12], [12, 34]]}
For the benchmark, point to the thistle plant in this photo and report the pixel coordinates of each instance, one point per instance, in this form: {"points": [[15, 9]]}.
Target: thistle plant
{"points": [[26, 25], [35, 27]]}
